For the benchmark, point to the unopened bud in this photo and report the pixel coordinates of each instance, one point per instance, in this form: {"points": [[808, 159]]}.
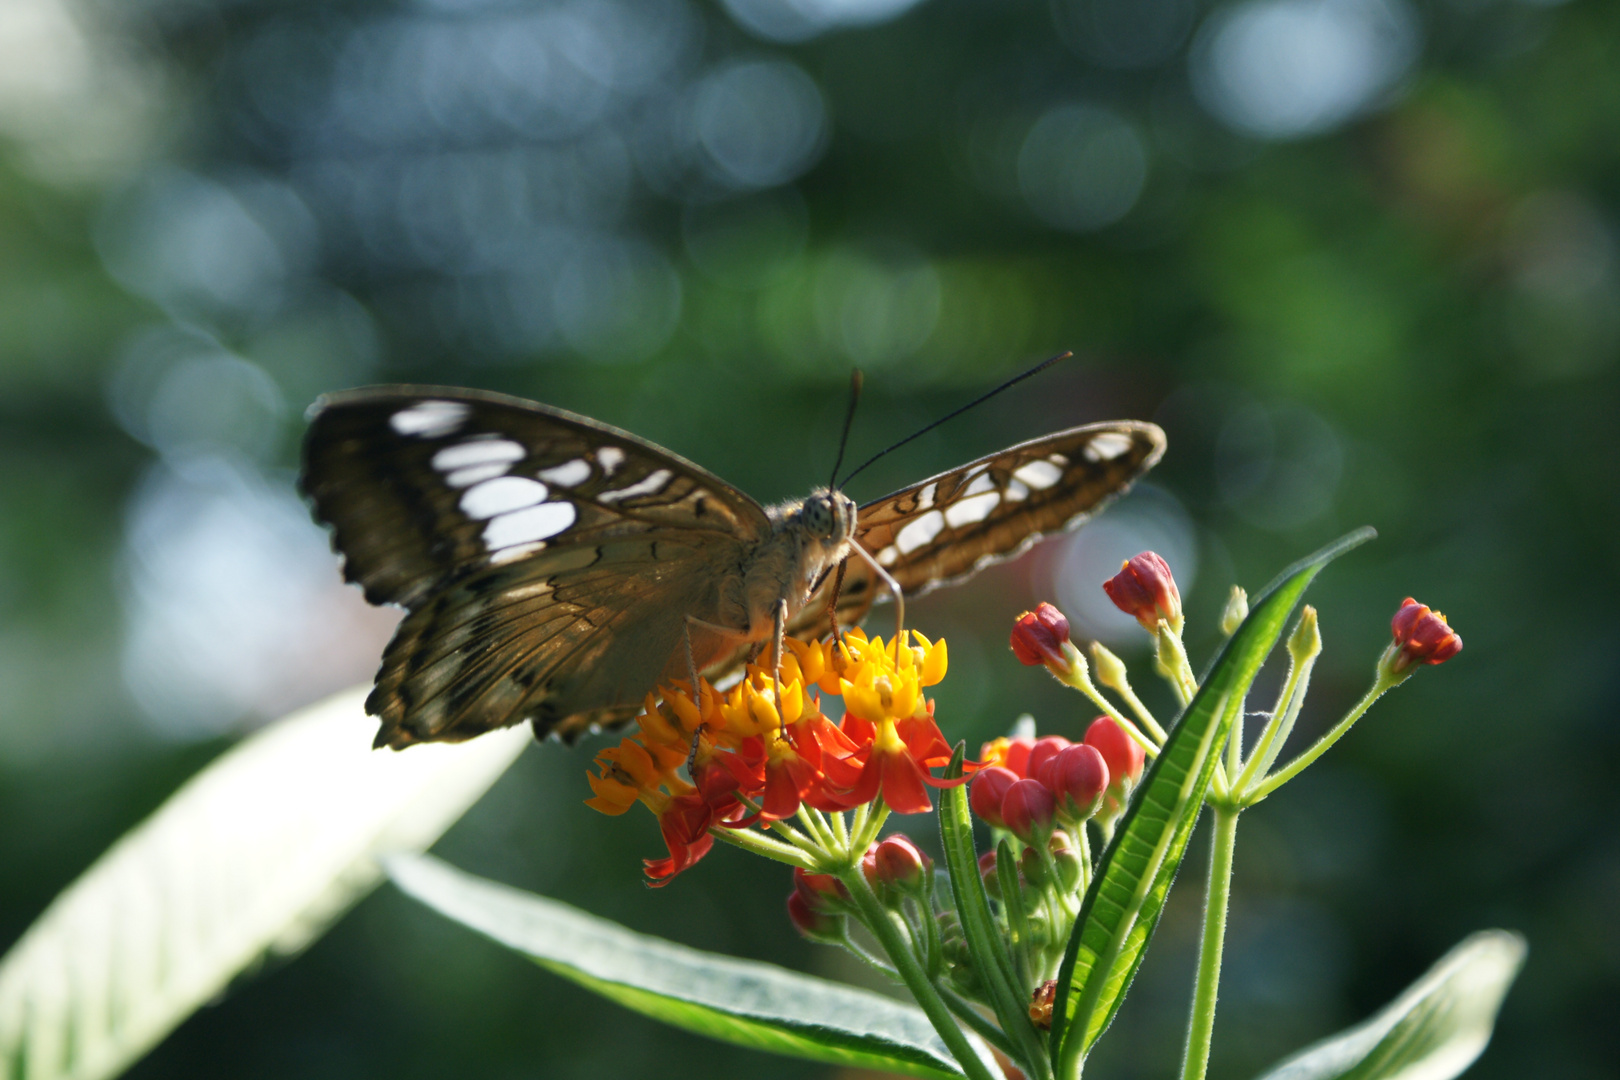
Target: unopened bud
{"points": [[1110, 668], [988, 788], [1145, 589], [813, 924], [1077, 778], [1236, 610], [1422, 636], [1123, 757], [1306, 640], [1028, 809], [1038, 636], [1044, 750], [896, 863]]}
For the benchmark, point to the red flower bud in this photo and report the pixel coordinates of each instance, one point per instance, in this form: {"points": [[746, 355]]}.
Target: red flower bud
{"points": [[1018, 751], [1145, 590], [1038, 636], [989, 787], [1044, 750], [813, 924], [1077, 777], [1122, 754], [823, 892], [1422, 636], [896, 861], [1028, 809]]}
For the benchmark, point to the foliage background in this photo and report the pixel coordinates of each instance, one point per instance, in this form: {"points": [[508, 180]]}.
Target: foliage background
{"points": [[1359, 257]]}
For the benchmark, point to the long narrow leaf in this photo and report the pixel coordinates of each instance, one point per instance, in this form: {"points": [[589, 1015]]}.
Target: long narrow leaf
{"points": [[1433, 1031], [991, 958], [1122, 907], [739, 1001], [257, 853]]}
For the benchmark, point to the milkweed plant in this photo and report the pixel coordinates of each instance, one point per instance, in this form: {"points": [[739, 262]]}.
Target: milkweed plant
{"points": [[1018, 949], [1057, 855]]}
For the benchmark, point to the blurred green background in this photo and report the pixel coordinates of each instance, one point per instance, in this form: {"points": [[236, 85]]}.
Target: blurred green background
{"points": [[1358, 257]]}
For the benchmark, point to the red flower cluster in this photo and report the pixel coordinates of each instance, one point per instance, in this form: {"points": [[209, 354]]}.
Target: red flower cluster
{"points": [[1026, 784], [763, 749]]}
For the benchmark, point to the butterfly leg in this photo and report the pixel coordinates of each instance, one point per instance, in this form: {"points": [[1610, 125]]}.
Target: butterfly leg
{"points": [[778, 632]]}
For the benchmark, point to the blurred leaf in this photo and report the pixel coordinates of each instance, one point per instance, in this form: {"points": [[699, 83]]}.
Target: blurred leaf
{"points": [[1123, 905], [1433, 1031], [257, 853], [739, 1001]]}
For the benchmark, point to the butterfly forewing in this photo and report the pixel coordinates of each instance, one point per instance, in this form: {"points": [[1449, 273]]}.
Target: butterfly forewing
{"points": [[547, 561], [947, 527]]}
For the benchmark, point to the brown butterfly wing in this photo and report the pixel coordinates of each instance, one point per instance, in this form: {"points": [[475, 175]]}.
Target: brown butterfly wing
{"points": [[949, 526], [546, 560]]}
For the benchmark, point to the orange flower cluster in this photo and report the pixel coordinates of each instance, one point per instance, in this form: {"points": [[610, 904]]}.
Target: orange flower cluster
{"points": [[756, 753]]}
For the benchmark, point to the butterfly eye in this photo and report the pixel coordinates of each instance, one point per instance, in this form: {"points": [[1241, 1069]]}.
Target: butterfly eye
{"points": [[820, 517]]}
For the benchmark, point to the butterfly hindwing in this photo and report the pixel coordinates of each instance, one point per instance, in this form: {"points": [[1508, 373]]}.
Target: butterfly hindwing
{"points": [[546, 561]]}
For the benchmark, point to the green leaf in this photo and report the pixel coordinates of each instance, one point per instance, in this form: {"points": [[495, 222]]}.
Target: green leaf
{"points": [[739, 1001], [1433, 1031], [256, 854], [991, 960], [1124, 902]]}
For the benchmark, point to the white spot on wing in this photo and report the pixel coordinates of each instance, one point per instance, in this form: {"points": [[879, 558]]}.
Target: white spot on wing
{"points": [[529, 525], [476, 473], [1039, 475], [887, 556], [429, 419], [477, 452], [919, 532], [971, 509], [650, 484], [502, 495], [1016, 491], [610, 457], [516, 552], [981, 484], [925, 497], [568, 473], [1059, 460], [1107, 446]]}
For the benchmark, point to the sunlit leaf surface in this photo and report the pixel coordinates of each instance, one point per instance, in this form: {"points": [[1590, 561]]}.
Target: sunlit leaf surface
{"points": [[1433, 1031], [257, 853], [741, 1001]]}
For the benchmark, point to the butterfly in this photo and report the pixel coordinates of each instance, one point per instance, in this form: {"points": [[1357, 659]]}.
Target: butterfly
{"points": [[555, 569]]}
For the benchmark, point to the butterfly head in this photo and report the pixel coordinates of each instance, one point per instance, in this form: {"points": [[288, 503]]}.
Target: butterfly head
{"points": [[829, 516]]}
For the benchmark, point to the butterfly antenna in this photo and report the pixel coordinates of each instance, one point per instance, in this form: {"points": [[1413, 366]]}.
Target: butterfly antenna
{"points": [[981, 399], [855, 381]]}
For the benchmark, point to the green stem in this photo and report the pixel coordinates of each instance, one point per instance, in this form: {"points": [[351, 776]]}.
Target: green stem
{"points": [[759, 844], [976, 1020], [1295, 767], [1201, 1024], [1124, 690], [877, 920], [1281, 725]]}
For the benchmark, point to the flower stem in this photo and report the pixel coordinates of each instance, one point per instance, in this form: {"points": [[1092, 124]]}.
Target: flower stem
{"points": [[1320, 747], [759, 844], [1201, 1024], [877, 920]]}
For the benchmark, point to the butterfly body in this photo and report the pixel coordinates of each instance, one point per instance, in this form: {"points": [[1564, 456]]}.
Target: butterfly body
{"points": [[554, 568]]}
